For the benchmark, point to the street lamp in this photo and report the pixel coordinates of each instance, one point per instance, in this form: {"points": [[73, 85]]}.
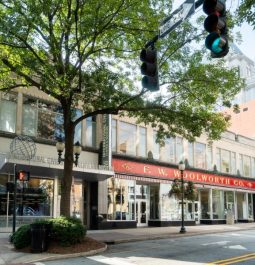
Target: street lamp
{"points": [[60, 145], [181, 167]]}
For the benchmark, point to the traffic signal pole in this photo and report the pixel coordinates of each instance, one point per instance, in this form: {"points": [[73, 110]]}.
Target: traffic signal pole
{"points": [[152, 42], [14, 200]]}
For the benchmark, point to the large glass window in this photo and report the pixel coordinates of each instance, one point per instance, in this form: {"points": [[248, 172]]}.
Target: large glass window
{"points": [[34, 198], [8, 109], [209, 157], [114, 135], [250, 206], [225, 161], [218, 204], [127, 138], [121, 199], [233, 163], [205, 204], [91, 131], [173, 150], [156, 146], [246, 166], [154, 201], [200, 155], [45, 120], [142, 142], [191, 154]]}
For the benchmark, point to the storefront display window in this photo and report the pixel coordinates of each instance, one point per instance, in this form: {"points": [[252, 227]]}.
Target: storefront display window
{"points": [[154, 202], [250, 206], [205, 204], [8, 108], [76, 200], [218, 204], [121, 199], [34, 198], [170, 207], [229, 202], [241, 206]]}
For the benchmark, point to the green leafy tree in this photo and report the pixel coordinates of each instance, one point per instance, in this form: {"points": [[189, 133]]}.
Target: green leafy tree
{"points": [[246, 12], [86, 54]]}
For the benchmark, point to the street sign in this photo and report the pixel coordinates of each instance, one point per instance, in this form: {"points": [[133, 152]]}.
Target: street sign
{"points": [[176, 18]]}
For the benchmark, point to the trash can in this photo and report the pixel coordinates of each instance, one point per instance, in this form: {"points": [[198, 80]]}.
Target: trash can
{"points": [[39, 237]]}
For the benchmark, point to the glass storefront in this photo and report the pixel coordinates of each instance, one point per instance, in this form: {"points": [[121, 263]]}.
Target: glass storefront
{"points": [[34, 199]]}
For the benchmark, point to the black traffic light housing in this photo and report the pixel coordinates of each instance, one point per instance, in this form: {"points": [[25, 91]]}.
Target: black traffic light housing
{"points": [[149, 68], [215, 24], [23, 175]]}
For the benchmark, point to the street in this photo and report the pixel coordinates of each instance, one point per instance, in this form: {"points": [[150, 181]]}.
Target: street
{"points": [[224, 248]]}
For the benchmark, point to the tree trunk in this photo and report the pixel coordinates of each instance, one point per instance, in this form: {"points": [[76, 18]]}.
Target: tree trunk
{"points": [[66, 183]]}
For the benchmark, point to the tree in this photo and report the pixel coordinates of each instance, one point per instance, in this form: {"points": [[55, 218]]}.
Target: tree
{"points": [[85, 54], [246, 12]]}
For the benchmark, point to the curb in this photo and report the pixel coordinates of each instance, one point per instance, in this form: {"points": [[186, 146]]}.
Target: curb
{"points": [[172, 235], [61, 256]]}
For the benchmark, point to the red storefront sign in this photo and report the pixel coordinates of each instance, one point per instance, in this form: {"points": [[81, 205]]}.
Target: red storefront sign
{"points": [[142, 169]]}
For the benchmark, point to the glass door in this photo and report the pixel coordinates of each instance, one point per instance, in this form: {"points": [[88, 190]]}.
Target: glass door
{"points": [[142, 212]]}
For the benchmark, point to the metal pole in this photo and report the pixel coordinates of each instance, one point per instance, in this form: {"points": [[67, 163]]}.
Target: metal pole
{"points": [[14, 201], [183, 230]]}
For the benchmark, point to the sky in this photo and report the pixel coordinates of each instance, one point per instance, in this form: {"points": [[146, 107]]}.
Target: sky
{"points": [[247, 32]]}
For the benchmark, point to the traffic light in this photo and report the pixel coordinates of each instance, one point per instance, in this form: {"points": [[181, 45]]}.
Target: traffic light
{"points": [[149, 69], [215, 24], [23, 175]]}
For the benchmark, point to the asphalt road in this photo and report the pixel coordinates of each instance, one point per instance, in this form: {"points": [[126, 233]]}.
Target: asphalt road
{"points": [[225, 248]]}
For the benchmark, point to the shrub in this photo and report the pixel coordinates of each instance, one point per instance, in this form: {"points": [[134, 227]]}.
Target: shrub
{"points": [[21, 238], [67, 231]]}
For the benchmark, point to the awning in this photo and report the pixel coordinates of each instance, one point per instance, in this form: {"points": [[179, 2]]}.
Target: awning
{"points": [[49, 167]]}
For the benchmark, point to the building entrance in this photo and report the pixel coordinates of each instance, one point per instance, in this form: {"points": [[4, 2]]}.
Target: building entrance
{"points": [[142, 212]]}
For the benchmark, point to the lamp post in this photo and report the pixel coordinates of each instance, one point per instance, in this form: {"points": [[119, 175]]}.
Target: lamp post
{"points": [[60, 145], [181, 167]]}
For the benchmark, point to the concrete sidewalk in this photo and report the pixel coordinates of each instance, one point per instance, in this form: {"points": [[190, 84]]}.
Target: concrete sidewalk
{"points": [[8, 255]]}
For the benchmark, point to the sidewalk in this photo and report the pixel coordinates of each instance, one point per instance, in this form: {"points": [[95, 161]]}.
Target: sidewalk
{"points": [[9, 256]]}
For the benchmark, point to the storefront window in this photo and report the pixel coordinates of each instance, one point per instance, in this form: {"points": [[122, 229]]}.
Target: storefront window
{"points": [[205, 204], [229, 202], [154, 201], [241, 206], [76, 200], [142, 142], [121, 199], [250, 208], [34, 198], [218, 204], [8, 108], [170, 207], [127, 138]]}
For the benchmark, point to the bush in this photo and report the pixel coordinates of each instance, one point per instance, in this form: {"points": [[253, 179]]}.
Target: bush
{"points": [[21, 238], [67, 231]]}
